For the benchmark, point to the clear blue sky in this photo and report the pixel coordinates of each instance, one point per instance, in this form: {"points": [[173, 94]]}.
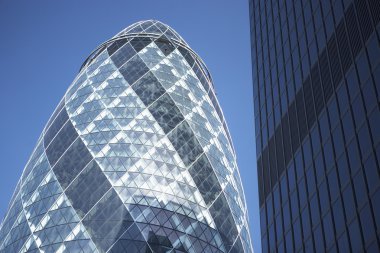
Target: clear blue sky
{"points": [[43, 44]]}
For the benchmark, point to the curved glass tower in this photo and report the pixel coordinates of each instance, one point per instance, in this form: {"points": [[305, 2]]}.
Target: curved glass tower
{"points": [[136, 158]]}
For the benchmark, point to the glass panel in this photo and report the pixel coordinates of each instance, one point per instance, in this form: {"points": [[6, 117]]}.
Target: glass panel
{"points": [[61, 142], [97, 59], [185, 142], [136, 29], [185, 53], [87, 189], [148, 88], [116, 45], [138, 43], [123, 55], [55, 126], [238, 247], [224, 221], [165, 45], [17, 236], [153, 29], [57, 110], [166, 113], [131, 241], [146, 24], [159, 243], [107, 221], [205, 179], [72, 162], [133, 69]]}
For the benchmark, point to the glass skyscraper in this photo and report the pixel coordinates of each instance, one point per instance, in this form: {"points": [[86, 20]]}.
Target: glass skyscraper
{"points": [[137, 157], [316, 79]]}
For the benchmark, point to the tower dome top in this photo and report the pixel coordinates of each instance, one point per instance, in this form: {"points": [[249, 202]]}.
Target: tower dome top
{"points": [[152, 27]]}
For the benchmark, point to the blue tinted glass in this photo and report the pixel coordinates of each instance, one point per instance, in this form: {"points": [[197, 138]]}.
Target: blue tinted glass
{"points": [[107, 221], [338, 141], [297, 235], [367, 224], [319, 168], [123, 55], [358, 111], [291, 177], [314, 208], [349, 203], [87, 188], [55, 126], [338, 216], [324, 197], [372, 174], [354, 157], [307, 153], [343, 170], [61, 142], [264, 243], [363, 67], [333, 113], [72, 162], [343, 99], [348, 127], [302, 192], [284, 188], [139, 43], [306, 226], [57, 110], [360, 189], [269, 209], [263, 220], [369, 94], [224, 221], [373, 49], [286, 213], [352, 83], [185, 142], [375, 201], [333, 183], [299, 165], [165, 45], [279, 231], [310, 178], [328, 154], [324, 127], [328, 230], [116, 45], [166, 113], [364, 141], [272, 239], [374, 123], [289, 242], [186, 54], [343, 243], [276, 199], [205, 179], [133, 69], [355, 238], [315, 141], [148, 88], [318, 238]]}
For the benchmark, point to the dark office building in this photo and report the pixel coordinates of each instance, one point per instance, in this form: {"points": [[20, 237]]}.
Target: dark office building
{"points": [[316, 79]]}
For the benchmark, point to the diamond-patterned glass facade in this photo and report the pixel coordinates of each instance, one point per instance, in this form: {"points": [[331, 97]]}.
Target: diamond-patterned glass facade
{"points": [[135, 158]]}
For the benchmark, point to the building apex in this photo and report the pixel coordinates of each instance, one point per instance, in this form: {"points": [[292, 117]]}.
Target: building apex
{"points": [[152, 27]]}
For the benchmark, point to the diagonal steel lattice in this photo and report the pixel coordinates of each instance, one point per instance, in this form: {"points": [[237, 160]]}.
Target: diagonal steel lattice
{"points": [[136, 157]]}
